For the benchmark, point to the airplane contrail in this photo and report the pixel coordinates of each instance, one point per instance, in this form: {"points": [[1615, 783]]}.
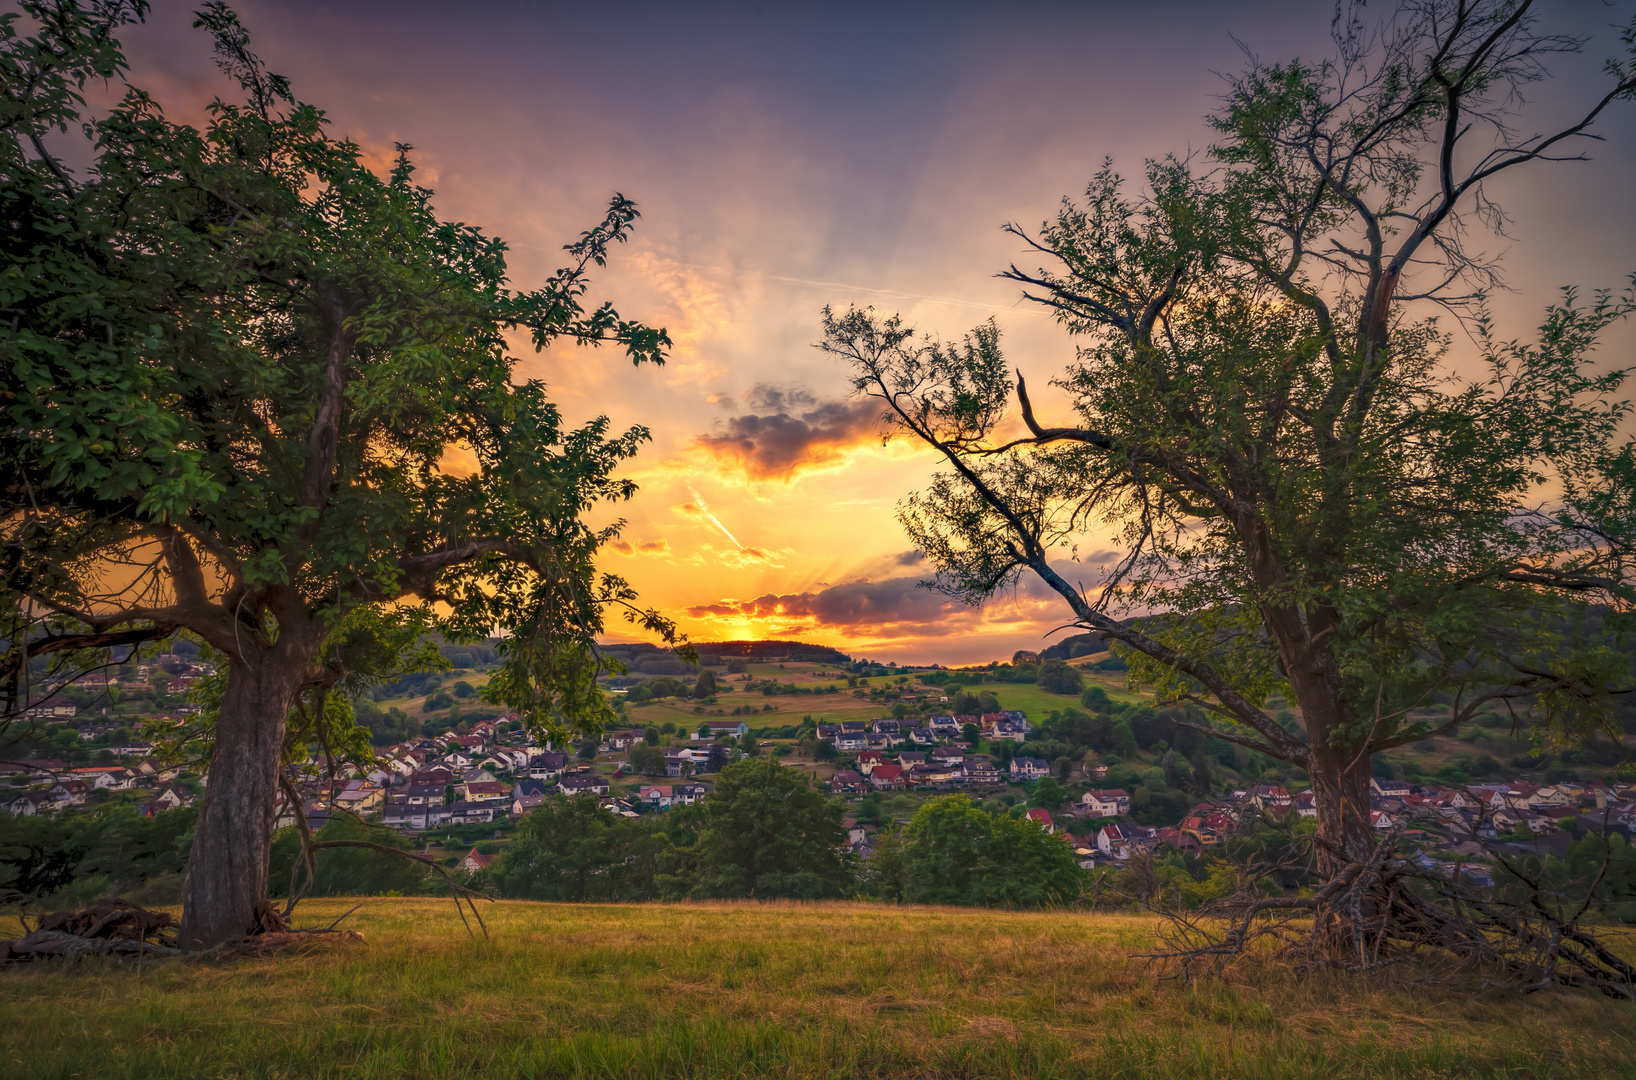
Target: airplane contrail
{"points": [[703, 506]]}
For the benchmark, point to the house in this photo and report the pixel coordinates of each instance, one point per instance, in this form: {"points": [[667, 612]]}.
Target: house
{"points": [[359, 796], [851, 741], [1111, 840], [856, 836], [474, 861], [947, 754], [527, 789], [734, 729], [1306, 804], [43, 768], [51, 710], [504, 760], [425, 794], [69, 792], [982, 771], [415, 757], [1550, 796], [578, 785], [889, 777], [946, 727], [106, 778], [828, 732], [938, 774], [134, 748], [888, 726], [1112, 802], [1383, 788], [1025, 769], [547, 765], [846, 782], [472, 813], [923, 735], [1274, 800], [688, 794], [1042, 818], [28, 804], [400, 814], [1009, 730], [657, 796], [868, 759], [619, 741], [483, 791], [679, 761], [528, 794]]}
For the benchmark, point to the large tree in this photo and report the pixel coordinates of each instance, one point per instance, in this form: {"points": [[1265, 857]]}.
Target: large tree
{"points": [[1314, 499], [768, 834], [258, 393], [956, 852]]}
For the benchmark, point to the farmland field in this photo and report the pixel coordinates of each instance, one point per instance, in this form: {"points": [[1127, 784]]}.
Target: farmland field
{"points": [[741, 990]]}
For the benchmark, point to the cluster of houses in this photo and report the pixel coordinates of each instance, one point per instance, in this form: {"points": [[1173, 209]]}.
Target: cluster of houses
{"points": [[940, 767], [481, 777], [55, 785], [1455, 817], [477, 777], [1552, 813], [852, 736]]}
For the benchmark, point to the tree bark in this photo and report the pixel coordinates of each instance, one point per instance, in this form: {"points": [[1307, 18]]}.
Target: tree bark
{"points": [[1340, 789], [227, 868]]}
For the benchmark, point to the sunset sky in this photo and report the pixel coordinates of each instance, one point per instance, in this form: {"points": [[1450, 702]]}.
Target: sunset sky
{"points": [[785, 157]]}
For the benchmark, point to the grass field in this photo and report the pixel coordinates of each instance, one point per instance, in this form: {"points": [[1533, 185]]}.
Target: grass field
{"points": [[831, 708], [742, 990]]}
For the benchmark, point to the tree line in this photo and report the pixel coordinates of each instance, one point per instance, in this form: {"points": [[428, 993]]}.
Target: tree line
{"points": [[765, 833]]}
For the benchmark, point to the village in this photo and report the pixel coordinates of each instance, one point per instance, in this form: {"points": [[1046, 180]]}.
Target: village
{"points": [[461, 792]]}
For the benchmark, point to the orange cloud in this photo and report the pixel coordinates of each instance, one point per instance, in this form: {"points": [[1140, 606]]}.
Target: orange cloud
{"points": [[782, 437], [642, 547]]}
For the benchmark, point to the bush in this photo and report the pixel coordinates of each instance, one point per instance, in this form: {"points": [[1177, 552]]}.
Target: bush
{"points": [[1057, 677]]}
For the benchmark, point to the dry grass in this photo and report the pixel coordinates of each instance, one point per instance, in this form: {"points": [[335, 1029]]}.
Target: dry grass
{"points": [[833, 990]]}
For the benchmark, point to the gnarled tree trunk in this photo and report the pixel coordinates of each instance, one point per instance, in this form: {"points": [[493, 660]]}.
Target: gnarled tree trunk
{"points": [[227, 868], [1340, 789]]}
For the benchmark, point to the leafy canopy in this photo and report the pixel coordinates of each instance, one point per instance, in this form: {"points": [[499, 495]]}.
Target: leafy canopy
{"points": [[253, 387]]}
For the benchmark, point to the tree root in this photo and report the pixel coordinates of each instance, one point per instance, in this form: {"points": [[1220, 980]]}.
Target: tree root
{"points": [[118, 928], [1386, 911]]}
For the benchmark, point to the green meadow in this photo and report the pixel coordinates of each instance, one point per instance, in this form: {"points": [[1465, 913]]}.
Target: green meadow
{"points": [[750, 990]]}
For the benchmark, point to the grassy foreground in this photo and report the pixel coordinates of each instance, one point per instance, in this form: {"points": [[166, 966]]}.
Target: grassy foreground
{"points": [[737, 990]]}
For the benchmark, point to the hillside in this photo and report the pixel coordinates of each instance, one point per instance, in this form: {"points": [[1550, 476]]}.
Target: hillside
{"points": [[767, 990]]}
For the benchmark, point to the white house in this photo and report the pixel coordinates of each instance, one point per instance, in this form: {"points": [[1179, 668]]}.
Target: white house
{"points": [[1028, 768], [1112, 802], [1111, 840]]}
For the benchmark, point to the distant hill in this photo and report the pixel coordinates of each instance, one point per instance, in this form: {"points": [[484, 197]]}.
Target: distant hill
{"points": [[645, 659], [773, 651], [1073, 648]]}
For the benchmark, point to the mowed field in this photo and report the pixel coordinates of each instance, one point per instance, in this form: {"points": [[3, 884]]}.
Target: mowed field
{"points": [[843, 705], [750, 990]]}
